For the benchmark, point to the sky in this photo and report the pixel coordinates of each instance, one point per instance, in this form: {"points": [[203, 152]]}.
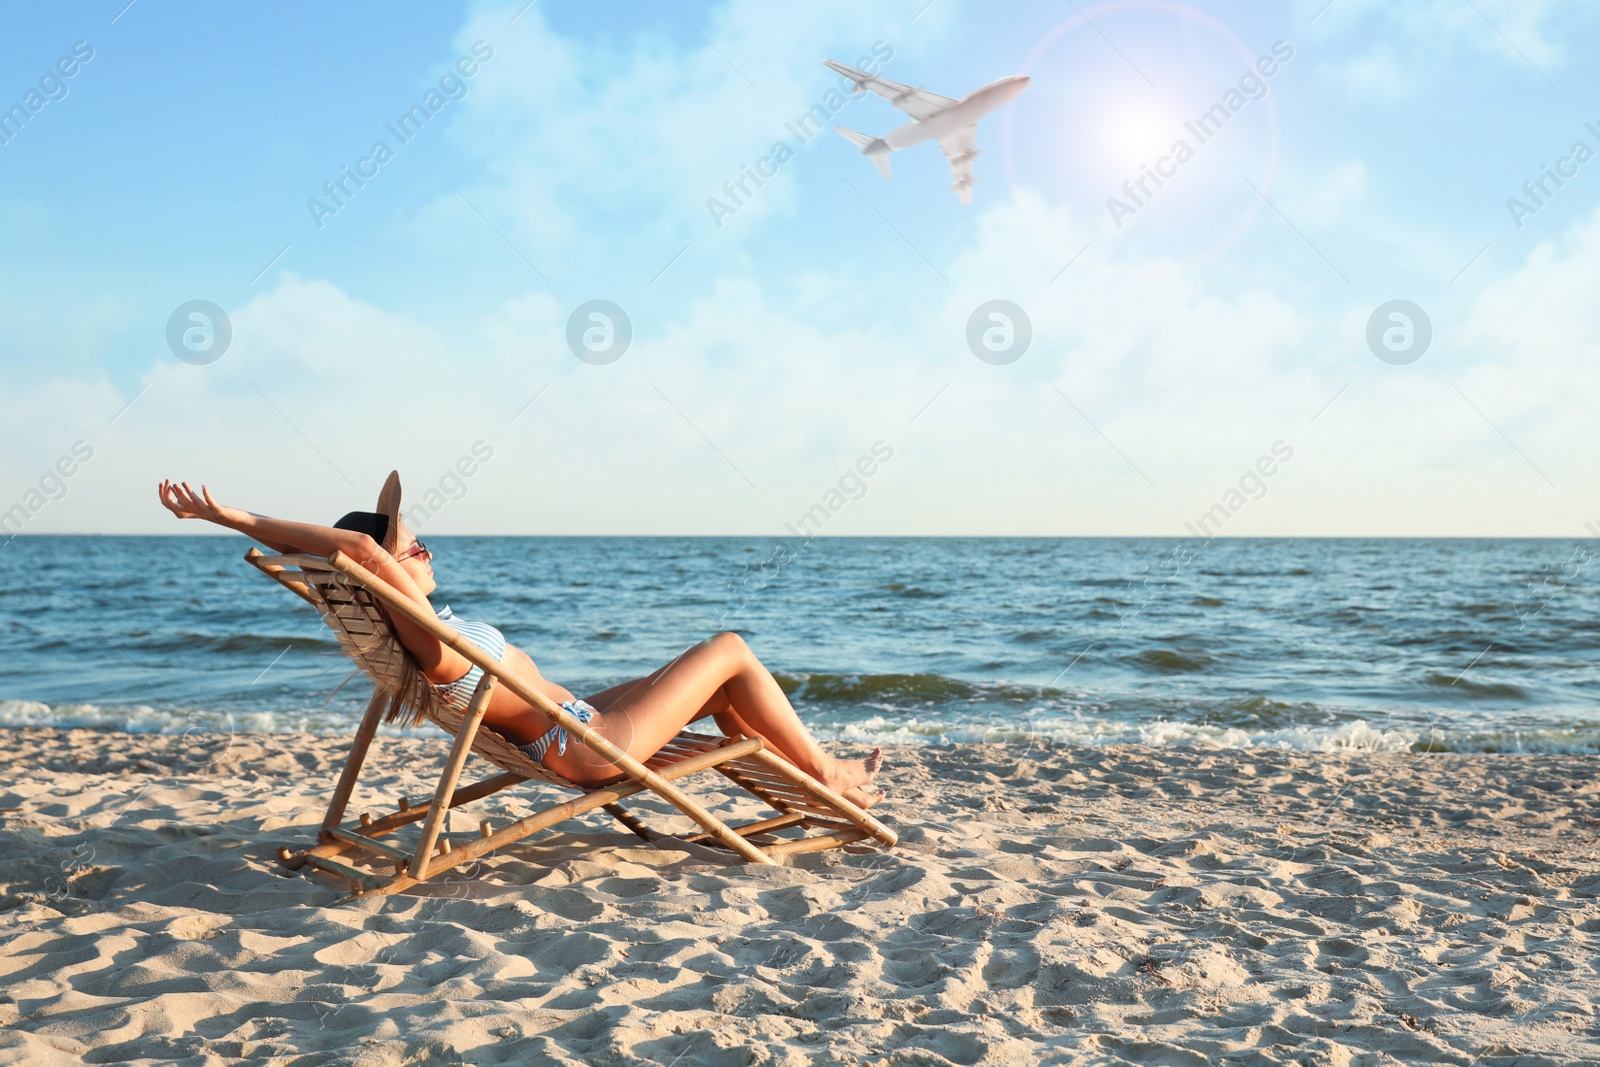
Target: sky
{"points": [[1225, 343]]}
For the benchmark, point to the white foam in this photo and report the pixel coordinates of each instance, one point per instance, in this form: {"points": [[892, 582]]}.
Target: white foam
{"points": [[1357, 735], [144, 719], [1030, 726]]}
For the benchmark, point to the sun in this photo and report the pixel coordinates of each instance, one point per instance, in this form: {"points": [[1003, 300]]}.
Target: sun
{"points": [[1135, 133]]}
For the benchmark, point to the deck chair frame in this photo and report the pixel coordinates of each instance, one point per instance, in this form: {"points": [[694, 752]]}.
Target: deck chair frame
{"points": [[356, 605]]}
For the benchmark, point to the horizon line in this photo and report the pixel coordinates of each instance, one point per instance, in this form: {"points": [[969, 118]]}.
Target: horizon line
{"points": [[895, 536]]}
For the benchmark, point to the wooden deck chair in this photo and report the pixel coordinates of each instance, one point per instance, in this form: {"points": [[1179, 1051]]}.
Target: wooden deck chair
{"points": [[354, 602]]}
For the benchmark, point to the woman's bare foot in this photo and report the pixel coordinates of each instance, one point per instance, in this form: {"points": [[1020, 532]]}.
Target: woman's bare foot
{"points": [[874, 763], [862, 798], [849, 778], [842, 774]]}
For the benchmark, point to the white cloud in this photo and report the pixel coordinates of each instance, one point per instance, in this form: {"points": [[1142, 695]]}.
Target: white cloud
{"points": [[573, 133], [1539, 329], [1414, 43], [1324, 201], [1189, 386]]}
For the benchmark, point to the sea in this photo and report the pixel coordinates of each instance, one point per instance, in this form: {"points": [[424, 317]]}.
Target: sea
{"points": [[1424, 645]]}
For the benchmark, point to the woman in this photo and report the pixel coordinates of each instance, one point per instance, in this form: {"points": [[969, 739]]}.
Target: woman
{"points": [[719, 677]]}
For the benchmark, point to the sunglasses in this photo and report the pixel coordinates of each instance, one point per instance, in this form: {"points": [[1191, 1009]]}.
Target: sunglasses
{"points": [[418, 549]]}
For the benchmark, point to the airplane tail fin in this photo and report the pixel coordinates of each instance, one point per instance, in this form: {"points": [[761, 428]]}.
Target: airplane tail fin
{"points": [[871, 147]]}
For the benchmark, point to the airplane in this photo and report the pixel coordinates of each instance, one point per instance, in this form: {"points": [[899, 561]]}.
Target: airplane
{"points": [[953, 123]]}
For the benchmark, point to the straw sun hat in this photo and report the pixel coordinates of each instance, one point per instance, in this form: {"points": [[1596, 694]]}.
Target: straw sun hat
{"points": [[382, 525], [389, 508]]}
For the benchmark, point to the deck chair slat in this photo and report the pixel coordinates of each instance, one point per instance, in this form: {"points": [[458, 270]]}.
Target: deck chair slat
{"points": [[817, 843], [790, 805], [777, 822], [758, 773], [687, 745], [363, 880], [786, 801], [363, 841], [745, 778], [776, 789]]}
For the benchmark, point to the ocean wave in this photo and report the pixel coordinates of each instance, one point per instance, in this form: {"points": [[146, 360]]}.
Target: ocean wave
{"points": [[1261, 713], [245, 643], [1173, 660], [1475, 690], [902, 689], [913, 592]]}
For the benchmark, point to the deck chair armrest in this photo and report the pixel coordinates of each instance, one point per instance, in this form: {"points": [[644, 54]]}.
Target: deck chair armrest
{"points": [[276, 568]]}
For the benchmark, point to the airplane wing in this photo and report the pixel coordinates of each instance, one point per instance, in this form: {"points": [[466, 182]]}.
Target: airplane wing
{"points": [[961, 148], [918, 103]]}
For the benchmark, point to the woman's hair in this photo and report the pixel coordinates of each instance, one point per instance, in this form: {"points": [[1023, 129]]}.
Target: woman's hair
{"points": [[411, 697], [372, 523]]}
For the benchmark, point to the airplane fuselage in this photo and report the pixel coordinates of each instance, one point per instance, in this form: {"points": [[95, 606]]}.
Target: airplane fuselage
{"points": [[952, 124], [968, 110]]}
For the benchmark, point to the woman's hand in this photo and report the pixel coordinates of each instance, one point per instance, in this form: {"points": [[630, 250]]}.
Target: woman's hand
{"points": [[185, 503], [279, 535]]}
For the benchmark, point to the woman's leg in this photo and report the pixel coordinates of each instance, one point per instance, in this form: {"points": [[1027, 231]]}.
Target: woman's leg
{"points": [[717, 707], [645, 715], [728, 721]]}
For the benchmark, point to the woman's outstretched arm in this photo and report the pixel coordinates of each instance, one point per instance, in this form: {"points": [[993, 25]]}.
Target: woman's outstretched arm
{"points": [[437, 661], [280, 535]]}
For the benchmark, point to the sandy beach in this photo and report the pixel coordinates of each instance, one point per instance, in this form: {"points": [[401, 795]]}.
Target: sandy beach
{"points": [[1047, 904]]}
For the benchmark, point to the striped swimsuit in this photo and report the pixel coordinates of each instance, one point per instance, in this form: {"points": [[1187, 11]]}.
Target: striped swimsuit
{"points": [[458, 694]]}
